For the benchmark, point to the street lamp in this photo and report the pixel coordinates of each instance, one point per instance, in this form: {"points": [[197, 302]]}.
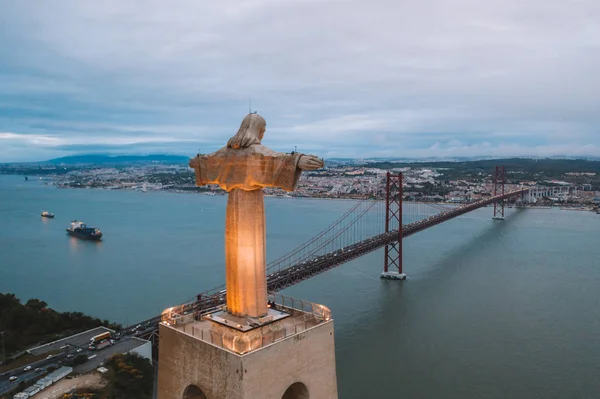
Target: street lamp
{"points": [[3, 349]]}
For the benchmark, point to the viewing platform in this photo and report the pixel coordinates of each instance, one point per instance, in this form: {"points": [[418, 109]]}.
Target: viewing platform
{"points": [[286, 317]]}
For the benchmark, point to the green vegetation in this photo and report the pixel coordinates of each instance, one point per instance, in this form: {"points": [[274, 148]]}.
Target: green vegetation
{"points": [[32, 323], [129, 376], [82, 394]]}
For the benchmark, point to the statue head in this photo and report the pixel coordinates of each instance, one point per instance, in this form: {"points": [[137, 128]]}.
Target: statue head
{"points": [[250, 132]]}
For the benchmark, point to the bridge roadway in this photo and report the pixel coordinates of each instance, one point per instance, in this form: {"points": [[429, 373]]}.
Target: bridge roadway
{"points": [[294, 274]]}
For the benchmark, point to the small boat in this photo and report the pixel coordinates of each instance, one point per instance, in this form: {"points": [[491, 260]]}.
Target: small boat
{"points": [[81, 230], [47, 215]]}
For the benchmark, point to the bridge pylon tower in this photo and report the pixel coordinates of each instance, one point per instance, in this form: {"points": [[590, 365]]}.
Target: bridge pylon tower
{"points": [[499, 182], [392, 266]]}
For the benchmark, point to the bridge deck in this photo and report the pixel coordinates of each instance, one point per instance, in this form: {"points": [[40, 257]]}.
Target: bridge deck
{"points": [[294, 274]]}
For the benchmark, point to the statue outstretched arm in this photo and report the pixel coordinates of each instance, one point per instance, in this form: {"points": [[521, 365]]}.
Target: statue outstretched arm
{"points": [[194, 162], [207, 171], [310, 162], [198, 166]]}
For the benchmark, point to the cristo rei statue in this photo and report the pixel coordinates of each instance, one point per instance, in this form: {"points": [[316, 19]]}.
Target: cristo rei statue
{"points": [[243, 168]]}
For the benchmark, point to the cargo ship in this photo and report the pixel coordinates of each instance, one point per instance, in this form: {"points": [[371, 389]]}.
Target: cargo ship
{"points": [[81, 230], [47, 215]]}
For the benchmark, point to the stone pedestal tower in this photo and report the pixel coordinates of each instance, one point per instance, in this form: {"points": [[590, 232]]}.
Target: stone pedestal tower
{"points": [[253, 348], [288, 356]]}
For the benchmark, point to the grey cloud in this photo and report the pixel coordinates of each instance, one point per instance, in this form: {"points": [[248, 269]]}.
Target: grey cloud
{"points": [[505, 77]]}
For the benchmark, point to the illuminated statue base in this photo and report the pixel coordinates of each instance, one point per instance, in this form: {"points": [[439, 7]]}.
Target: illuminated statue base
{"points": [[288, 354], [247, 324]]}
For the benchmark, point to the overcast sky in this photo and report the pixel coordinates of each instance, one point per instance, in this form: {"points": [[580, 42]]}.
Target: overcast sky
{"points": [[402, 78]]}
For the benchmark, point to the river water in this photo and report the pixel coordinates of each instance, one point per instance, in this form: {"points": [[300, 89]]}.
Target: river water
{"points": [[491, 309]]}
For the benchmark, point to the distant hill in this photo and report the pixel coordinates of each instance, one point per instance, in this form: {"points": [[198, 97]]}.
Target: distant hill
{"points": [[474, 159], [99, 159], [104, 159], [513, 164], [523, 168]]}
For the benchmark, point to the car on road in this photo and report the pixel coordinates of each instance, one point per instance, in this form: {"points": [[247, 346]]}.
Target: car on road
{"points": [[13, 378], [79, 350], [38, 370], [27, 368]]}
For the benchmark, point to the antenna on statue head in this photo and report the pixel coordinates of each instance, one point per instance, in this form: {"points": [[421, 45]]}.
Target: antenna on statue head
{"points": [[250, 107]]}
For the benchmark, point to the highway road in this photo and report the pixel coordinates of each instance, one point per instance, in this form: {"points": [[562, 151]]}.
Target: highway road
{"points": [[6, 385], [81, 340], [124, 345], [54, 359], [67, 347]]}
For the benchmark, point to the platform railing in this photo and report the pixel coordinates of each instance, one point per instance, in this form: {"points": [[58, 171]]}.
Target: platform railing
{"points": [[318, 312], [303, 315]]}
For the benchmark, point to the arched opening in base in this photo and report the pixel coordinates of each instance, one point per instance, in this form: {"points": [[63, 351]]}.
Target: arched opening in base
{"points": [[296, 391], [193, 392]]}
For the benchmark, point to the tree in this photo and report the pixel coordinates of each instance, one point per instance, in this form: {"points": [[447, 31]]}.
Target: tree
{"points": [[130, 376], [36, 304], [34, 322]]}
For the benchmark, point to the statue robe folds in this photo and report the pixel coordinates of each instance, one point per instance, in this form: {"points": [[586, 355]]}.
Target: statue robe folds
{"points": [[243, 173]]}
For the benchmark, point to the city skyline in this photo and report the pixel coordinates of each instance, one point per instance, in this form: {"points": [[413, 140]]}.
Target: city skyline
{"points": [[337, 78]]}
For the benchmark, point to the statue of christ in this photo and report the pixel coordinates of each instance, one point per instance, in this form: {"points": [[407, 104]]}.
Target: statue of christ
{"points": [[243, 168]]}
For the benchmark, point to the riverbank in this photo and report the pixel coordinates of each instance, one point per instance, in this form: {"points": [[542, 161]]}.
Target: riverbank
{"points": [[176, 184]]}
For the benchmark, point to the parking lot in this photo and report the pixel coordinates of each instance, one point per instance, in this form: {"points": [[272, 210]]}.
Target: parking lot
{"points": [[94, 381]]}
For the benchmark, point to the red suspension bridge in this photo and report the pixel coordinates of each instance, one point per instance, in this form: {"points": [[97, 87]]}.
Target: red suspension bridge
{"points": [[367, 226]]}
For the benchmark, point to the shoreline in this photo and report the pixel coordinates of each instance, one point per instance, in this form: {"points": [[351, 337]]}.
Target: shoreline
{"points": [[49, 181], [289, 197]]}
